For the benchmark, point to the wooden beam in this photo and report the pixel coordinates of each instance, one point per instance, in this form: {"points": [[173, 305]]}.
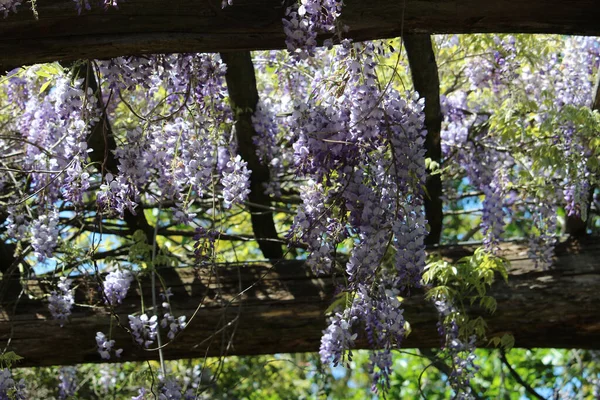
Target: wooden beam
{"points": [[153, 26], [243, 96], [264, 309]]}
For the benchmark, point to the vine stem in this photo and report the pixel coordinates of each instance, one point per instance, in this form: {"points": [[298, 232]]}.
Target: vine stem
{"points": [[154, 302]]}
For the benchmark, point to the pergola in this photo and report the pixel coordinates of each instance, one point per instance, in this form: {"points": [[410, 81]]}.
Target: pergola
{"points": [[280, 306]]}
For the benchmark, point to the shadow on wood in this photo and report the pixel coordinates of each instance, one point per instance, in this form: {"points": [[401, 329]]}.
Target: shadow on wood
{"points": [[261, 309]]}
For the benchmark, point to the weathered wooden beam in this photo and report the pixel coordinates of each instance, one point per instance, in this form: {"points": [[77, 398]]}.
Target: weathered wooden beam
{"points": [[263, 309], [153, 26]]}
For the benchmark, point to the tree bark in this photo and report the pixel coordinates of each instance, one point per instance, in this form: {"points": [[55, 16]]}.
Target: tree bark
{"points": [[424, 72], [152, 26], [275, 308]]}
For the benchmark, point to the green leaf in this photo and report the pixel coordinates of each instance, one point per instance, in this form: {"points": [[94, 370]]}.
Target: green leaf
{"points": [[9, 358], [507, 341], [45, 86], [340, 301]]}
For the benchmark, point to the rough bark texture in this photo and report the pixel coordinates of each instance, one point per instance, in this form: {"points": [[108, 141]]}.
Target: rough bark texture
{"points": [[152, 26], [280, 308]]}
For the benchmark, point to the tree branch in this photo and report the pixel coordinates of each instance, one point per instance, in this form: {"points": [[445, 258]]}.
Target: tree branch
{"points": [[518, 378], [424, 71]]}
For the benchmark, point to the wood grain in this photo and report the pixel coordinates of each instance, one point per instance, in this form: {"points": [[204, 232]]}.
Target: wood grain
{"points": [[266, 309], [153, 26]]}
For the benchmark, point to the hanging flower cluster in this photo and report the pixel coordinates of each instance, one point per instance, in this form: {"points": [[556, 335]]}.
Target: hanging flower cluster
{"points": [[363, 153], [106, 347], [61, 301], [305, 20], [116, 285]]}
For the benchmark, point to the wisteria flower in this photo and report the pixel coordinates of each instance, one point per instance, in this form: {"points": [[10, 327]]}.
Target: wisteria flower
{"points": [[61, 301]]}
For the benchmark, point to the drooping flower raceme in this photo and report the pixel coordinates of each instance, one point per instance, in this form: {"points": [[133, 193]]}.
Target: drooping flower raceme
{"points": [[9, 389], [337, 339], [144, 329], [143, 394], [107, 379], [116, 285], [311, 228], [117, 195], [106, 347], [361, 151], [7, 6], [541, 246], [170, 389], [236, 182], [61, 301], [67, 385], [175, 325], [44, 232], [461, 351], [304, 20]]}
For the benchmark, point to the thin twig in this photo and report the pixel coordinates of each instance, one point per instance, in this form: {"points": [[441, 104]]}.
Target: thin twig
{"points": [[518, 378]]}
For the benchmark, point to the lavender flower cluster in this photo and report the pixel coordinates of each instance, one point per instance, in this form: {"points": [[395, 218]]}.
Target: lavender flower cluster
{"points": [[484, 166], [362, 151], [484, 72], [541, 247], [236, 182], [305, 20], [9, 389], [144, 329], [461, 352], [67, 385], [116, 286], [107, 379], [357, 146], [54, 125], [44, 235], [172, 386], [555, 88], [181, 154], [54, 116], [7, 6], [61, 301], [175, 325], [106, 347], [117, 195]]}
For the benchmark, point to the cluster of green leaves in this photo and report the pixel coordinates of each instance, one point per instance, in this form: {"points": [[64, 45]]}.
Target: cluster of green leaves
{"points": [[552, 373], [465, 283]]}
